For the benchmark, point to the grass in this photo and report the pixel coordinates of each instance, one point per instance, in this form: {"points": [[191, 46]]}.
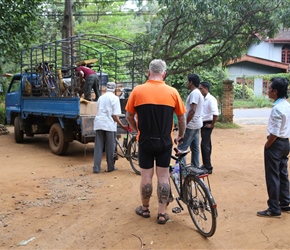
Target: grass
{"points": [[227, 125], [2, 111], [256, 102]]}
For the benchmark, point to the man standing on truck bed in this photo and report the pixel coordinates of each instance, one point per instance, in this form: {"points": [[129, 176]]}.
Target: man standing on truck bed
{"points": [[91, 82]]}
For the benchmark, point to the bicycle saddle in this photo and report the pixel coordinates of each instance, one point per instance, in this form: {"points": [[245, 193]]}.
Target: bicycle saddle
{"points": [[180, 154]]}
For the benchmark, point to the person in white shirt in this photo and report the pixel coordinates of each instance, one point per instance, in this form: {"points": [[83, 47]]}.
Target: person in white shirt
{"points": [[194, 105], [276, 150], [209, 117], [105, 125]]}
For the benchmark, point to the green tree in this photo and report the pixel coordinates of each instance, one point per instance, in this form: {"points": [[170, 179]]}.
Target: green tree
{"points": [[18, 25], [189, 34]]}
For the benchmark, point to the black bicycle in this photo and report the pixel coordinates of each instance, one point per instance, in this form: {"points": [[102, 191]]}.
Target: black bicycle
{"points": [[128, 148], [195, 194]]}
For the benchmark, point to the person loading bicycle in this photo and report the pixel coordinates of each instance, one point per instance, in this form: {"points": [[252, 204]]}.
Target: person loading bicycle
{"points": [[105, 125], [154, 102], [91, 82]]}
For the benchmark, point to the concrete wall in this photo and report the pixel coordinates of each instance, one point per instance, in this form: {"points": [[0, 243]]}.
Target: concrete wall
{"points": [[269, 51], [249, 69]]}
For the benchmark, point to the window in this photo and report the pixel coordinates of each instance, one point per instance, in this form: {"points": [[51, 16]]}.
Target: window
{"points": [[285, 56], [14, 86]]}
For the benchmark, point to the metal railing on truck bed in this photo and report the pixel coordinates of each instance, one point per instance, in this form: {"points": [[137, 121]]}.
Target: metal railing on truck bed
{"points": [[54, 64]]}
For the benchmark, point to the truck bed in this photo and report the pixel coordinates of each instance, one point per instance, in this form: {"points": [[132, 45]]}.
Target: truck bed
{"points": [[64, 107]]}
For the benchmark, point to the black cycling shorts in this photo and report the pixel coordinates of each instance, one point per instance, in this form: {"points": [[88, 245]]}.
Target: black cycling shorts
{"points": [[146, 159]]}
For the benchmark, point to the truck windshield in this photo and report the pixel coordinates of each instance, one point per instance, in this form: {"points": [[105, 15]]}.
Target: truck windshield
{"points": [[14, 86]]}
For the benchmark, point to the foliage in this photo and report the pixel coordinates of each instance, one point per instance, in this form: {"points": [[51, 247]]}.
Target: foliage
{"points": [[226, 125], [18, 21], [255, 102], [242, 91], [203, 33], [2, 108], [269, 76]]}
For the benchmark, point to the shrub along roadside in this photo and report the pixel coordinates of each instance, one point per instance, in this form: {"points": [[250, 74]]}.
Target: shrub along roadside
{"points": [[254, 102], [2, 110]]}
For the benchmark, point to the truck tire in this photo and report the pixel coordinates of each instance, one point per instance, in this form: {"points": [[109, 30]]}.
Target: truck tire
{"points": [[18, 133], [57, 142]]}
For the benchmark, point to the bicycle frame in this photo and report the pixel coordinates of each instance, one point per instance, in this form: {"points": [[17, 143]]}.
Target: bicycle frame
{"points": [[182, 175], [196, 195], [124, 147]]}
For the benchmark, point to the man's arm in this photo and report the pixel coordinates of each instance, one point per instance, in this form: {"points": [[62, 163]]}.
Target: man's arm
{"points": [[191, 112], [131, 119], [270, 139], [181, 127], [116, 119], [214, 119]]}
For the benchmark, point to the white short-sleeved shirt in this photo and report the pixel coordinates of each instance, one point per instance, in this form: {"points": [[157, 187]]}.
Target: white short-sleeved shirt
{"points": [[279, 120], [108, 105], [196, 97], [210, 107]]}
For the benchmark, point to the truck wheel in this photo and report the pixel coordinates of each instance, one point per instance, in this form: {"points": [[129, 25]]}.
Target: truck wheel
{"points": [[18, 133], [57, 143]]}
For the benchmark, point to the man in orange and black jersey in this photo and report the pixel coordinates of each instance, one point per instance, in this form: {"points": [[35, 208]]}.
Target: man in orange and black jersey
{"points": [[150, 110]]}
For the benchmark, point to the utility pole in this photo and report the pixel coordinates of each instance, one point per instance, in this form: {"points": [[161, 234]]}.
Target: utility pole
{"points": [[67, 31], [67, 27]]}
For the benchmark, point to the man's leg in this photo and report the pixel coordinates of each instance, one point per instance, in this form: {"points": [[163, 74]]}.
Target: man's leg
{"points": [[98, 150], [163, 188], [194, 147], [205, 146], [146, 163], [88, 87], [272, 162], [110, 149], [146, 186], [96, 87], [284, 179], [188, 137]]}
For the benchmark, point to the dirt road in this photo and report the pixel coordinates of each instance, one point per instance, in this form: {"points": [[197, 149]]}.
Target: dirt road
{"points": [[53, 202]]}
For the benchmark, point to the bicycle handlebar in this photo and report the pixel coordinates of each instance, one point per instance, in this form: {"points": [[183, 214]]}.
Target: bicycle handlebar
{"points": [[129, 129]]}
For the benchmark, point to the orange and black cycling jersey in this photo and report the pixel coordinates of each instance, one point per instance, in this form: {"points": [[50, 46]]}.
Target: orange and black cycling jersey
{"points": [[154, 102]]}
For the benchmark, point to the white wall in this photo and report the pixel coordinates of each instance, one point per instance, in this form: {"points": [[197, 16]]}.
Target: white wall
{"points": [[269, 51], [258, 86]]}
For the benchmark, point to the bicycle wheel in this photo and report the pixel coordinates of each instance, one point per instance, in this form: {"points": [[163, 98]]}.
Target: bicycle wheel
{"points": [[201, 205], [133, 155]]}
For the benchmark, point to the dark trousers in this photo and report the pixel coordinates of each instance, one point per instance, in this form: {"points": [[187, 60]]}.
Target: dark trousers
{"points": [[92, 82], [206, 147], [276, 173]]}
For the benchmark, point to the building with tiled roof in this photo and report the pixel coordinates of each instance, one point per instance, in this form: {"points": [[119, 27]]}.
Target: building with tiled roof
{"points": [[269, 56]]}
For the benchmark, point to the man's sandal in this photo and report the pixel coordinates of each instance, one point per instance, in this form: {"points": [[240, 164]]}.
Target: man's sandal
{"points": [[165, 216], [145, 213]]}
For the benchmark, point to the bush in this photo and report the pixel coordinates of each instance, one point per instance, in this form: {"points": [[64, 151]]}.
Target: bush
{"points": [[255, 102], [2, 111], [239, 90]]}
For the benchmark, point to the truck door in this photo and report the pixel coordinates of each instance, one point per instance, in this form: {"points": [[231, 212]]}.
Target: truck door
{"points": [[13, 97]]}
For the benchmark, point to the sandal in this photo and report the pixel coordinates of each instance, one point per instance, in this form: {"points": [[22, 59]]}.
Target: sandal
{"points": [[144, 213], [165, 216]]}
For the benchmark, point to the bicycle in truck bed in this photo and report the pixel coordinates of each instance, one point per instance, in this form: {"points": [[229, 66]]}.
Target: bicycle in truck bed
{"points": [[195, 194]]}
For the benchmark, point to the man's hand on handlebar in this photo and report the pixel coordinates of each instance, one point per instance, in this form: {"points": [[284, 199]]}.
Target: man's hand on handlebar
{"points": [[180, 153], [128, 128], [178, 140]]}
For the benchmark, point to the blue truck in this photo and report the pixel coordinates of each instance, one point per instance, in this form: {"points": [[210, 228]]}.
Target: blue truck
{"points": [[39, 101], [64, 118]]}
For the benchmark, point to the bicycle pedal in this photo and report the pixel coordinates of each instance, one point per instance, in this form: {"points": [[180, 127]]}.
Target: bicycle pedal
{"points": [[176, 210]]}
